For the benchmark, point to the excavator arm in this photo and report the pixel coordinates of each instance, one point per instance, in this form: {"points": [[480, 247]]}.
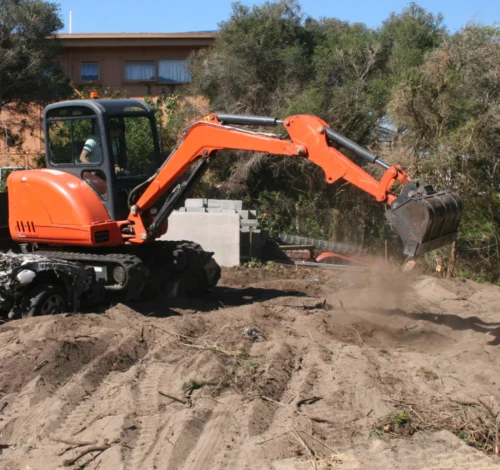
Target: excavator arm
{"points": [[424, 219]]}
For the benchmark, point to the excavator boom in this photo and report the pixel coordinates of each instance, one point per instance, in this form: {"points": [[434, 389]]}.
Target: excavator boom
{"points": [[425, 219]]}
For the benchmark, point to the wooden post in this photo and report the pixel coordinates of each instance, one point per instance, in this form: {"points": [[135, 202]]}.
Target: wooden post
{"points": [[250, 247], [453, 259]]}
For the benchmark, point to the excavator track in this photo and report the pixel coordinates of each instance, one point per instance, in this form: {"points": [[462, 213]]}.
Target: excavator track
{"points": [[180, 269], [104, 264]]}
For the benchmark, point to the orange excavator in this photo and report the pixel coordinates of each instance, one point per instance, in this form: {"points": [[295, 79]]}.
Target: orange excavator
{"points": [[104, 199]]}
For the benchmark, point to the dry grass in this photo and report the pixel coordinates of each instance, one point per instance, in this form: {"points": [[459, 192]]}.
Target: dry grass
{"points": [[475, 422]]}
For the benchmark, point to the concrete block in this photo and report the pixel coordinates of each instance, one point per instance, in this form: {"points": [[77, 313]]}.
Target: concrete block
{"points": [[228, 211], [196, 209], [194, 203], [217, 232], [248, 214], [225, 204], [181, 209], [214, 209], [228, 204], [249, 223]]}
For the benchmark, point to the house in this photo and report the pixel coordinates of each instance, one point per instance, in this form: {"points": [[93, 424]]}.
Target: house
{"points": [[137, 64]]}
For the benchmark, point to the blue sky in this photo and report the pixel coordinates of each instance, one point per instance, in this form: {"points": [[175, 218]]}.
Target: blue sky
{"points": [[133, 16]]}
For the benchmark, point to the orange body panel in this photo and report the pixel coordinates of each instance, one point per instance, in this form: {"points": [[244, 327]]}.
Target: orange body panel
{"points": [[54, 207]]}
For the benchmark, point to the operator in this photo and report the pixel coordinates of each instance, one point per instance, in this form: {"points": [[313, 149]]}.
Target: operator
{"points": [[92, 151]]}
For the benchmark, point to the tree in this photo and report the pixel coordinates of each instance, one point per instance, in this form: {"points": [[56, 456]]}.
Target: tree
{"points": [[448, 111], [28, 50], [347, 63], [260, 58], [407, 37]]}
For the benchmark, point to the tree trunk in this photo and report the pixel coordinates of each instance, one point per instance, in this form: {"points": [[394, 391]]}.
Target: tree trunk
{"points": [[453, 259]]}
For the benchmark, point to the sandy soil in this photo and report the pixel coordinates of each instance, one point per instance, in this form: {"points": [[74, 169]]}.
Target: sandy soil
{"points": [[353, 371]]}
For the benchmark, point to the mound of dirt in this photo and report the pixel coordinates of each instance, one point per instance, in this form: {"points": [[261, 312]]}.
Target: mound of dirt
{"points": [[280, 368]]}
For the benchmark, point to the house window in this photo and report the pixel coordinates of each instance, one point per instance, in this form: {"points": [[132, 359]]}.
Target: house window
{"points": [[89, 71], [140, 71], [174, 71]]}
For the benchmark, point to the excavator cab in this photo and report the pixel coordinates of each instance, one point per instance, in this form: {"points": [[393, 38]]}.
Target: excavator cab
{"points": [[112, 145]]}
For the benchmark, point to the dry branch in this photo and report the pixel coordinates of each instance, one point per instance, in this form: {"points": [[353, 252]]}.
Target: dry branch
{"points": [[308, 449], [307, 401], [40, 365], [271, 400], [71, 442], [474, 422], [184, 402], [216, 348], [317, 440], [100, 449]]}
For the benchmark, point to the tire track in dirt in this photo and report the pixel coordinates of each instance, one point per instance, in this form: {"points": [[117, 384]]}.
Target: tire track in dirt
{"points": [[79, 407], [149, 414], [328, 400], [212, 436], [272, 385], [78, 419]]}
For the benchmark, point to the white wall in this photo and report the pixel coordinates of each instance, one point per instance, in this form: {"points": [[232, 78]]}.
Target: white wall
{"points": [[217, 232]]}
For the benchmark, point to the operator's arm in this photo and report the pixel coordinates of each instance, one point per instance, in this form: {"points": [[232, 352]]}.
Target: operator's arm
{"points": [[84, 156], [88, 148]]}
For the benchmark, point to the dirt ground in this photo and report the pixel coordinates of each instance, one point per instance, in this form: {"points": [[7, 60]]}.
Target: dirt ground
{"points": [[278, 369]]}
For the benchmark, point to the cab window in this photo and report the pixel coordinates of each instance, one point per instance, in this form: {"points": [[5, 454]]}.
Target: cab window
{"points": [[133, 147], [73, 137]]}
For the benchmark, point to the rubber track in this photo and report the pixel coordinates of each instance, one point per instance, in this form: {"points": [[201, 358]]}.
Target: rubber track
{"points": [[174, 257], [133, 265]]}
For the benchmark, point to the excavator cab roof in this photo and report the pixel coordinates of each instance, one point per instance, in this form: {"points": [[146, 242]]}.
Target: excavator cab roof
{"points": [[111, 107]]}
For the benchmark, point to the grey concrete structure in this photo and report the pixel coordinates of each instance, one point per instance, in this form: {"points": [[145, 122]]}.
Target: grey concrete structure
{"points": [[217, 232], [212, 232]]}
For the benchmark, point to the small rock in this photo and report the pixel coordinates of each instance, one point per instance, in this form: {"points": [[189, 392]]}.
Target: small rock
{"points": [[252, 333]]}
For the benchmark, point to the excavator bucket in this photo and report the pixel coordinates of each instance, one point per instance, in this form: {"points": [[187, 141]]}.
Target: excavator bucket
{"points": [[425, 219]]}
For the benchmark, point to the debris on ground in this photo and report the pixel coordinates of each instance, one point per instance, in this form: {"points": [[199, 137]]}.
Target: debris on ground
{"points": [[252, 333]]}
